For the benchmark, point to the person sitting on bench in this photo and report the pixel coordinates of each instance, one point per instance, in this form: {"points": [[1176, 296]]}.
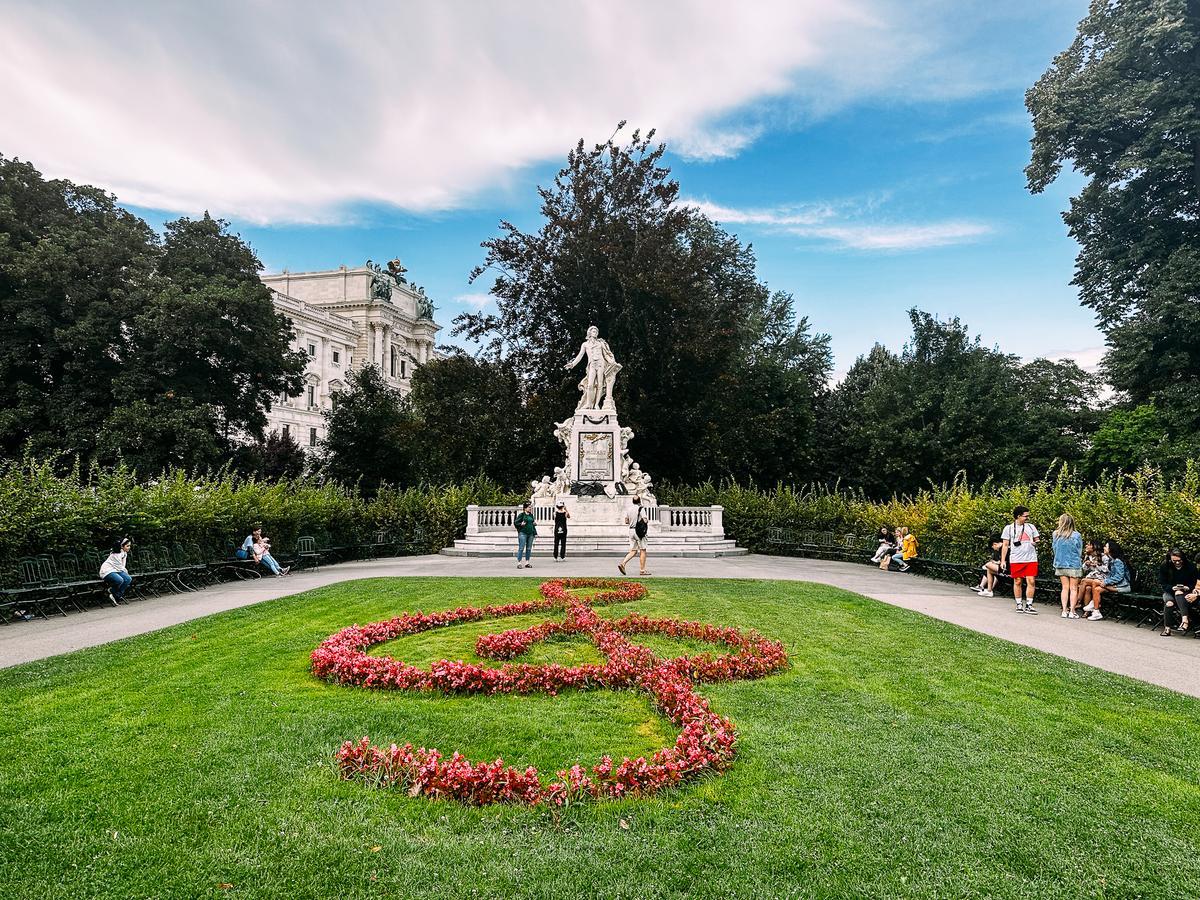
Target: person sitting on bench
{"points": [[1178, 578]]}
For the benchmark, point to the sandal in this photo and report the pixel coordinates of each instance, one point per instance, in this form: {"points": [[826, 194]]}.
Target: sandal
{"points": [[645, 573], [1166, 632], [621, 566]]}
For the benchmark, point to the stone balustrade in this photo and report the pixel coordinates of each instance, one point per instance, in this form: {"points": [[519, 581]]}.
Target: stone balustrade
{"points": [[690, 519]]}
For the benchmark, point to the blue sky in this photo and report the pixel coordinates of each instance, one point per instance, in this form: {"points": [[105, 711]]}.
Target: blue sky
{"points": [[872, 151]]}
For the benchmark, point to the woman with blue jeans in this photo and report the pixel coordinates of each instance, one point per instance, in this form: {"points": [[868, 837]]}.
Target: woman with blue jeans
{"points": [[526, 527], [114, 572]]}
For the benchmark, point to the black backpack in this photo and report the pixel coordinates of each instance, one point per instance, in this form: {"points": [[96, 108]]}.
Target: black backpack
{"points": [[640, 526]]}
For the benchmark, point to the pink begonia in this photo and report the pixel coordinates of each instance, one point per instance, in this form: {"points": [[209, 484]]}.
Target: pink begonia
{"points": [[706, 741]]}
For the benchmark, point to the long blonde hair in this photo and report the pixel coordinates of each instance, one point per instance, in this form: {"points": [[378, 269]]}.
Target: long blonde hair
{"points": [[1066, 525]]}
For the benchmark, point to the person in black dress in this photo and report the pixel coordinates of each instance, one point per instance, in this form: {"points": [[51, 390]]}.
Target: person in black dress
{"points": [[560, 530]]}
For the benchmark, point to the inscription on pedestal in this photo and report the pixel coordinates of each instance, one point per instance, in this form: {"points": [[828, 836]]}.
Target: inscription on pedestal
{"points": [[596, 456]]}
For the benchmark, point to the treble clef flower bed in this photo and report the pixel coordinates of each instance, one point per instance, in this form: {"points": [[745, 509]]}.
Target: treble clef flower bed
{"points": [[706, 741]]}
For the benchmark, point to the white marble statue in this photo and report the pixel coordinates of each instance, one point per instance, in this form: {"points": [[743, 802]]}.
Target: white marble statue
{"points": [[562, 481], [602, 369], [562, 430], [542, 488]]}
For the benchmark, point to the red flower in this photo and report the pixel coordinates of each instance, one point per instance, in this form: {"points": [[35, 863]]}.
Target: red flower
{"points": [[706, 742]]}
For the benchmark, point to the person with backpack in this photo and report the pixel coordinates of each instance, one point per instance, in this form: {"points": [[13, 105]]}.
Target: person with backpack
{"points": [[638, 521], [526, 527]]}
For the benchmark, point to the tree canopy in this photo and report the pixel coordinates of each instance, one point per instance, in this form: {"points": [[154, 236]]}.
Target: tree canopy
{"points": [[1120, 107], [719, 376], [162, 352]]}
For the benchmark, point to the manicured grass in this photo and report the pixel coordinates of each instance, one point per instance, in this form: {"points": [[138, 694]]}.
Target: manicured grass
{"points": [[898, 756]]}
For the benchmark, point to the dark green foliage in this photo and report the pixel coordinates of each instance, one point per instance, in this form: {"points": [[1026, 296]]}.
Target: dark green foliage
{"points": [[719, 376], [476, 419], [947, 404], [898, 757], [1120, 107], [371, 435], [115, 344], [209, 336], [74, 269], [276, 457]]}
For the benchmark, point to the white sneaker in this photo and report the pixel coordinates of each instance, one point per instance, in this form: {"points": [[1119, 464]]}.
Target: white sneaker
{"points": [[1095, 616], [520, 565], [977, 588], [1072, 615], [1090, 607], [1029, 609], [1064, 614], [986, 594]]}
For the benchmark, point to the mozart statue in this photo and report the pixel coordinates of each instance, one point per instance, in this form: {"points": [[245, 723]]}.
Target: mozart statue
{"points": [[602, 369]]}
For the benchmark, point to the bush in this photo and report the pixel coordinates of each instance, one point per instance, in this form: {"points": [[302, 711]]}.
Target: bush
{"points": [[47, 510], [1145, 512]]}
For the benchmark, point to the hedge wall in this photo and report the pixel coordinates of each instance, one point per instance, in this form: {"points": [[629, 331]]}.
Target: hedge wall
{"points": [[43, 511], [1144, 512]]}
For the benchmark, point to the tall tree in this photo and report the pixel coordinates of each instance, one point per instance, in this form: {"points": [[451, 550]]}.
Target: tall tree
{"points": [[1121, 107], [371, 436], [947, 404], [678, 300], [74, 269], [208, 340], [475, 420]]}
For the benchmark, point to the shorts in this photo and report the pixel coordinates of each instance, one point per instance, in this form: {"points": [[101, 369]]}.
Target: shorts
{"points": [[1068, 573], [635, 542], [1022, 570]]}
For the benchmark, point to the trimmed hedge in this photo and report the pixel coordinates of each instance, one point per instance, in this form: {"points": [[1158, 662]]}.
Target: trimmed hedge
{"points": [[1144, 512], [44, 511]]}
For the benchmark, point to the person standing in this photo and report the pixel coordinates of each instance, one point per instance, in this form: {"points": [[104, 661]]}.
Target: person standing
{"points": [[526, 527], [560, 529], [114, 571], [1019, 554], [1068, 563], [638, 521]]}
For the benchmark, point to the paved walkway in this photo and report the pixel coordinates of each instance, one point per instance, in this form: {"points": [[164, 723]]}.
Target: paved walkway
{"points": [[1137, 652]]}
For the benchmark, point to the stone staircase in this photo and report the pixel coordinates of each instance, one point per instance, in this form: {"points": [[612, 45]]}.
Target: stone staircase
{"points": [[494, 545]]}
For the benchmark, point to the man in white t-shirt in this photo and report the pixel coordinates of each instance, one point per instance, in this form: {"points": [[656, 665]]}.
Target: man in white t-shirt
{"points": [[1019, 554]]}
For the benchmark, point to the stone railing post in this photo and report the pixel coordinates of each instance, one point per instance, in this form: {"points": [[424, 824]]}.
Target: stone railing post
{"points": [[718, 520], [664, 517], [472, 519]]}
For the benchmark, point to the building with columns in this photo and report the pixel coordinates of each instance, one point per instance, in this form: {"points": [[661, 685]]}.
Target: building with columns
{"points": [[347, 317]]}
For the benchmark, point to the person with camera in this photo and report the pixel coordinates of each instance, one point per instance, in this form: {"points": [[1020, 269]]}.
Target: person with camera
{"points": [[561, 514], [638, 520], [1018, 554]]}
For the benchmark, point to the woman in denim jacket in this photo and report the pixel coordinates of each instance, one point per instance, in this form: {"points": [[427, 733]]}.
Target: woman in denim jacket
{"points": [[1115, 582], [1068, 563]]}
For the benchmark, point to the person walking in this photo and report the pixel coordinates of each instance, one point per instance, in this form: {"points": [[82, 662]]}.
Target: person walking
{"points": [[561, 514], [526, 527], [1019, 554], [638, 521], [1178, 578], [114, 571], [1068, 563]]}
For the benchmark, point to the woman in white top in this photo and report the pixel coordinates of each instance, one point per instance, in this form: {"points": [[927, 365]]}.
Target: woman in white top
{"points": [[114, 572]]}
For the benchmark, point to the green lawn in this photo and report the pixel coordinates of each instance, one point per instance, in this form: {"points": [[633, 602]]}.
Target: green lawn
{"points": [[898, 756]]}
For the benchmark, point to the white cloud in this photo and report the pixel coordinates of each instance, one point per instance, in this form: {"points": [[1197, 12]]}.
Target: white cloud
{"points": [[474, 301], [1088, 358], [842, 225], [298, 111]]}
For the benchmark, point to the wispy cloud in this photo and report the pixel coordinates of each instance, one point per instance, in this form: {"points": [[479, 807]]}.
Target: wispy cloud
{"points": [[302, 110], [842, 225], [474, 301]]}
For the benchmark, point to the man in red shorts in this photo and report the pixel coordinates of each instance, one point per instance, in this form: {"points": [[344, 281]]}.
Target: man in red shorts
{"points": [[1019, 553]]}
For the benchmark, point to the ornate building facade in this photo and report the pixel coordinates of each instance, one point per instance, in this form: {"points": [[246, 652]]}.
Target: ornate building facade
{"points": [[343, 318]]}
